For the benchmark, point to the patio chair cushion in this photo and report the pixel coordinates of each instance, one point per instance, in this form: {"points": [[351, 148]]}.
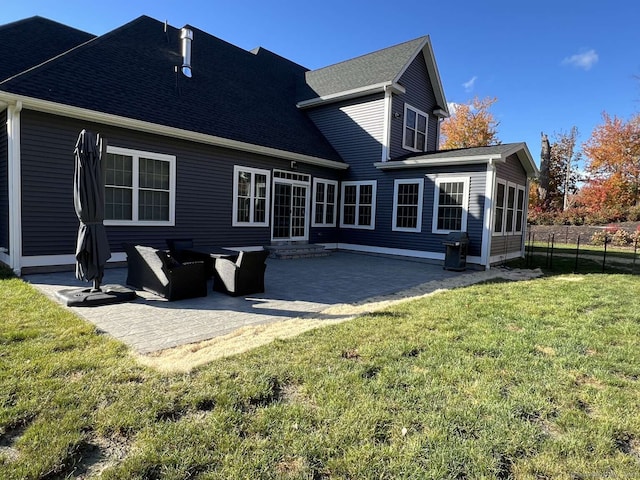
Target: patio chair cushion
{"points": [[155, 271], [242, 277]]}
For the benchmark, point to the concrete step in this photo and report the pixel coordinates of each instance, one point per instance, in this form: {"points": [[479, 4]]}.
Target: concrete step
{"points": [[305, 250]]}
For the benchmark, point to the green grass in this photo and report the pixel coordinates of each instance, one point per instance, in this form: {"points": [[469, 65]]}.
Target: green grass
{"points": [[527, 380]]}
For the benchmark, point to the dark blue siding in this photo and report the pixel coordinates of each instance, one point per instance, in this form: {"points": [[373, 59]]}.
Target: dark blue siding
{"points": [[419, 94], [4, 183], [203, 188]]}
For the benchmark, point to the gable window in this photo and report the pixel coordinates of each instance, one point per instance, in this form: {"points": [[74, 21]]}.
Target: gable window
{"points": [[139, 187], [451, 201], [325, 195], [407, 205], [358, 204], [250, 197], [415, 129]]}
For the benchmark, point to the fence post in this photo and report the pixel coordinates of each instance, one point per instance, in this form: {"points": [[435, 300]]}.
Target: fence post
{"points": [[604, 256], [575, 268], [553, 238], [635, 250]]}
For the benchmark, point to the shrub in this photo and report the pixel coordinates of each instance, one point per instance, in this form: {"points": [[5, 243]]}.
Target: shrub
{"points": [[633, 214], [621, 238], [599, 237]]}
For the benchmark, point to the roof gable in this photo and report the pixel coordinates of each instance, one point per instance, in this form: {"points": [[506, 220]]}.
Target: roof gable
{"points": [[377, 69], [33, 41], [233, 94]]}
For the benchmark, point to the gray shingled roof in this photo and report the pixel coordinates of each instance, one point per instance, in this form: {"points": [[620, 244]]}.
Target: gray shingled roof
{"points": [[29, 42], [371, 69], [233, 94]]}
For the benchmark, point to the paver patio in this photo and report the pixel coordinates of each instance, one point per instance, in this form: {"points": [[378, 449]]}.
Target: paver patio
{"points": [[299, 288]]}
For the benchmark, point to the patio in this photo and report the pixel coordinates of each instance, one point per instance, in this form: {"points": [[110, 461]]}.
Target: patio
{"points": [[304, 289]]}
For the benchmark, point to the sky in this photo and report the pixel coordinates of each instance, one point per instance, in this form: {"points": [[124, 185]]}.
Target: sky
{"points": [[552, 65]]}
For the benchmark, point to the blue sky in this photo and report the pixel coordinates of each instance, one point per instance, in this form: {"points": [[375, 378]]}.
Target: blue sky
{"points": [[551, 64]]}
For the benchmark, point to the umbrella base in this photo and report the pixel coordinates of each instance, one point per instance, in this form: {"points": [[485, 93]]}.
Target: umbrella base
{"points": [[86, 297]]}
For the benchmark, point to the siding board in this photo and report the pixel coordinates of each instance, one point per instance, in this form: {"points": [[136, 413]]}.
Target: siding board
{"points": [[4, 183]]}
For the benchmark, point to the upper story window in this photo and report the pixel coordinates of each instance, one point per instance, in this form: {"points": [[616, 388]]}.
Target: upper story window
{"points": [[451, 203], [250, 197], [325, 196], [358, 204], [407, 205], [139, 187], [415, 129]]}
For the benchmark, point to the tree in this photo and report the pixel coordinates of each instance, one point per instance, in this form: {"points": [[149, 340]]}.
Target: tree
{"points": [[613, 153], [559, 178], [470, 125]]}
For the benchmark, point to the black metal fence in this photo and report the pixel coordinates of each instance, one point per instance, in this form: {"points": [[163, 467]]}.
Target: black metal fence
{"points": [[542, 251]]}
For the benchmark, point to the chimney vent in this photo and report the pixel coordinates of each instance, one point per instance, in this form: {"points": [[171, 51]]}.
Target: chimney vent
{"points": [[186, 35]]}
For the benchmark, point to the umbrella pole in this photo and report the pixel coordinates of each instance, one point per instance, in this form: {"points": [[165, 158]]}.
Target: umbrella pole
{"points": [[96, 284]]}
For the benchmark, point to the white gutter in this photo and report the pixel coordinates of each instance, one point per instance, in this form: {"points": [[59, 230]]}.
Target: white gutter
{"points": [[354, 93], [148, 127], [14, 184], [425, 162]]}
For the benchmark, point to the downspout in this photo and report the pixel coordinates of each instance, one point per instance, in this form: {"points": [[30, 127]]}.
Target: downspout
{"points": [[14, 184], [386, 128], [487, 233]]}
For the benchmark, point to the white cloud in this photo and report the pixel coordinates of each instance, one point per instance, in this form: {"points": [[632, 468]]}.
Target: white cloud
{"points": [[584, 60], [468, 86], [453, 106]]}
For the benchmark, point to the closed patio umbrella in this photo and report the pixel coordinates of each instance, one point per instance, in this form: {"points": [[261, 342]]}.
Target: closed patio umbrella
{"points": [[92, 248]]}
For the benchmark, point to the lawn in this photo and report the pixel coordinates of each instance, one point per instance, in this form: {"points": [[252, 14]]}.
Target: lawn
{"points": [[526, 380]]}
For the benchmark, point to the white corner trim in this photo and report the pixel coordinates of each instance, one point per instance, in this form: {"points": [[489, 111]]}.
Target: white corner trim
{"points": [[487, 230], [386, 127], [14, 187]]}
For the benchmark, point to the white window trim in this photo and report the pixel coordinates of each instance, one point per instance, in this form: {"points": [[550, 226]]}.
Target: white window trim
{"points": [[326, 182], [438, 180], [253, 172], [504, 209], [404, 129], [519, 188], [136, 154], [396, 184], [374, 185]]}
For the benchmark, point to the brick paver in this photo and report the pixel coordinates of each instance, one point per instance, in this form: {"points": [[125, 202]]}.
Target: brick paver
{"points": [[296, 288]]}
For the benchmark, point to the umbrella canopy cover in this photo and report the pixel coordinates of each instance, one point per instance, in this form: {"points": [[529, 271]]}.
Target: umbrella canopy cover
{"points": [[92, 248]]}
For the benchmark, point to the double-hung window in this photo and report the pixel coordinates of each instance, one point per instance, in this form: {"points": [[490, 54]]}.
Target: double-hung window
{"points": [[509, 208], [325, 196], [358, 205], [451, 203], [415, 129], [139, 187], [407, 205], [250, 197]]}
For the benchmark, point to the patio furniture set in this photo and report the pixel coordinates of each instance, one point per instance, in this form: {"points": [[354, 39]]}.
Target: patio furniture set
{"points": [[183, 270]]}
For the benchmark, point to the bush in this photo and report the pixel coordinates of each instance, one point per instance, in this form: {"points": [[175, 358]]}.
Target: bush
{"points": [[599, 238], [621, 238], [633, 214]]}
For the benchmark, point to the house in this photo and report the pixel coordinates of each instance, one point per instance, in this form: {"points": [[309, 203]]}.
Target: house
{"points": [[242, 148]]}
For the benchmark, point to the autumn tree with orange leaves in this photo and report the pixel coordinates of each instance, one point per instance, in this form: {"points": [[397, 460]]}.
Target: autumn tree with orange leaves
{"points": [[470, 125], [613, 164]]}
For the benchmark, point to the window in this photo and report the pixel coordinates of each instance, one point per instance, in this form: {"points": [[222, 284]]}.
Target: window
{"points": [[519, 209], [250, 197], [509, 208], [358, 204], [499, 213], [139, 187], [450, 205], [415, 129], [407, 205], [325, 195]]}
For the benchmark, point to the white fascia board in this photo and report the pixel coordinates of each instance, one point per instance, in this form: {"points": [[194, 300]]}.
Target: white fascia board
{"points": [[349, 94], [173, 132], [420, 163]]}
